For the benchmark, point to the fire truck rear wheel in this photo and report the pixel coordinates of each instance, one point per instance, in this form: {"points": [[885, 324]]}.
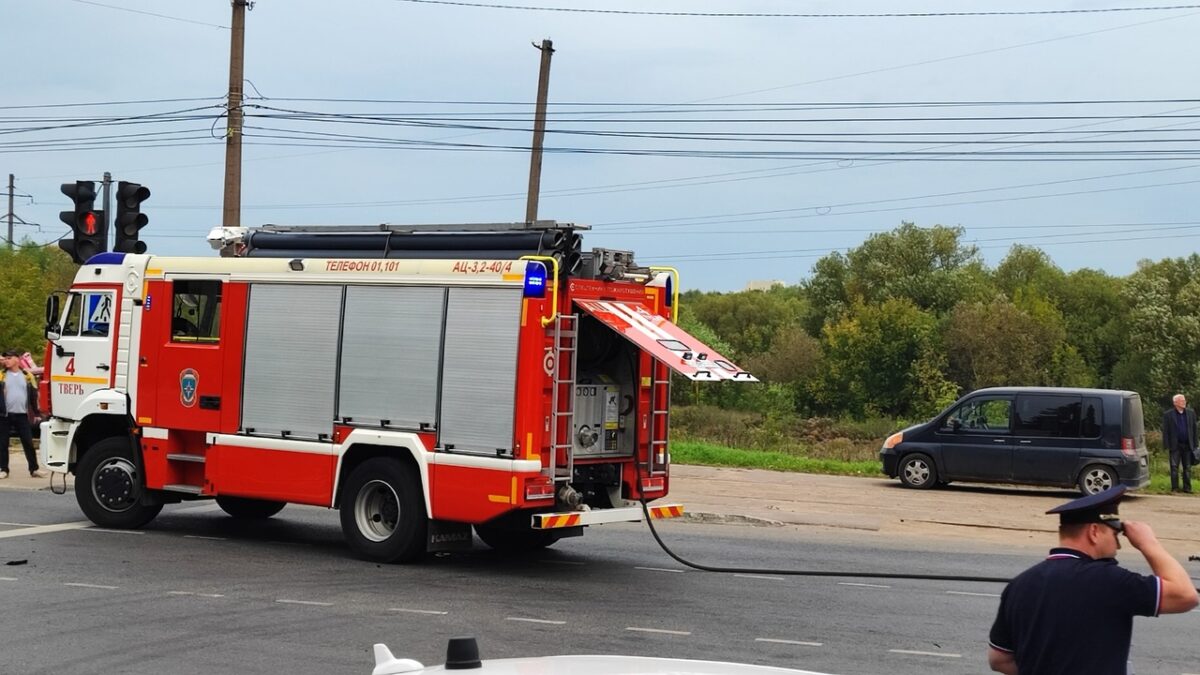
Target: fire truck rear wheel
{"points": [[383, 512], [109, 486], [252, 509]]}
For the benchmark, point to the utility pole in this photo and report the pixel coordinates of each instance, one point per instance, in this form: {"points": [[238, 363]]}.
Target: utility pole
{"points": [[12, 188], [539, 132], [232, 214]]}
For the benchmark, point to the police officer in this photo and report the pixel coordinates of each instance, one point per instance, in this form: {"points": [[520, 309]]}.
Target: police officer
{"points": [[1073, 612]]}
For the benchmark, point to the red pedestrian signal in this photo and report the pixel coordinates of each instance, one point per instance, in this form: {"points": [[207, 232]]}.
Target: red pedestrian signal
{"points": [[88, 234]]}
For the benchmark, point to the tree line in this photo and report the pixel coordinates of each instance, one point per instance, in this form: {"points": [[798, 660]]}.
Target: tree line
{"points": [[903, 324]]}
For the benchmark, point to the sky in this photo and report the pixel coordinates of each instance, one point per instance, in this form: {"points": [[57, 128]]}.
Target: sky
{"points": [[735, 148]]}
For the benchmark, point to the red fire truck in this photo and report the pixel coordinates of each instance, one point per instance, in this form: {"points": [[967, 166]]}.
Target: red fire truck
{"points": [[422, 380]]}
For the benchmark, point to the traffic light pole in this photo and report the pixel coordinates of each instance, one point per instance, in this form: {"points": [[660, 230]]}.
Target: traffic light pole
{"points": [[231, 214], [104, 194]]}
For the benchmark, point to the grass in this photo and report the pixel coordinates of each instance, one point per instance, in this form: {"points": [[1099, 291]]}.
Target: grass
{"points": [[706, 454], [709, 454]]}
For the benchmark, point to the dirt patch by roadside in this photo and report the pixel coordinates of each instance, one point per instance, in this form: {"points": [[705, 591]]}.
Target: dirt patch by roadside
{"points": [[880, 508]]}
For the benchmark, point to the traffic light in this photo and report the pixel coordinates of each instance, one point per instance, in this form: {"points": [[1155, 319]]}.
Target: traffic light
{"points": [[130, 218], [89, 235]]}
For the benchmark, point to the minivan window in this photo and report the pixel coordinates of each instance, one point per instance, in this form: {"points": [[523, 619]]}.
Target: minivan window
{"points": [[981, 415], [1092, 419], [1047, 416]]}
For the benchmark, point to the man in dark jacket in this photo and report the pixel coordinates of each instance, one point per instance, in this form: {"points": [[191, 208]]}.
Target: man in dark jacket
{"points": [[18, 402], [1179, 440]]}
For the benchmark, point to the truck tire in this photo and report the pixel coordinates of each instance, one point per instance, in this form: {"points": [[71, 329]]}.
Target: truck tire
{"points": [[249, 509], [511, 533], [917, 471], [109, 487], [1096, 478], [383, 512]]}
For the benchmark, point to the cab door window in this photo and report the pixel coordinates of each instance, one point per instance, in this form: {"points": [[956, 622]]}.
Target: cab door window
{"points": [[196, 311], [88, 315]]}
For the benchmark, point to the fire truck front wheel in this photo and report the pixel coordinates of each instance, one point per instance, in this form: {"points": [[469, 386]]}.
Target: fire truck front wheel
{"points": [[383, 512], [109, 487]]}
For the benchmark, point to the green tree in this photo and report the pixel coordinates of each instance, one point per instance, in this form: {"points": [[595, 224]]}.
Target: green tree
{"points": [[28, 274], [748, 320], [930, 267], [882, 359], [1163, 323]]}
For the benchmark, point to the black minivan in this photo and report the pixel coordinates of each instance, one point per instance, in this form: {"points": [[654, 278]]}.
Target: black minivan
{"points": [[1092, 439]]}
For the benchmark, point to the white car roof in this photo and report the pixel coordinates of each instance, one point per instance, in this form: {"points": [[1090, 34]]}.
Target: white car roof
{"points": [[386, 664]]}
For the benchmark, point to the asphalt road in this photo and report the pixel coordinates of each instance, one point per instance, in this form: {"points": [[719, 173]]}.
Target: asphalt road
{"points": [[198, 592]]}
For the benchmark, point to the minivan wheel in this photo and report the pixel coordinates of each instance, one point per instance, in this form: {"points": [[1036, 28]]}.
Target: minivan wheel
{"points": [[1096, 478], [917, 471]]}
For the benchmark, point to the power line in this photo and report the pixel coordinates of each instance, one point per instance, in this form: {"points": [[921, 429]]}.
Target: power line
{"points": [[793, 15], [161, 16]]}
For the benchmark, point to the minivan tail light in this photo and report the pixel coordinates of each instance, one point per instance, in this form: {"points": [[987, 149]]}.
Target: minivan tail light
{"points": [[893, 440], [1128, 448]]}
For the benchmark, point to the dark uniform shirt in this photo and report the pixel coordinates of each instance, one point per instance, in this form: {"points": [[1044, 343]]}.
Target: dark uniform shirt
{"points": [[1071, 614]]}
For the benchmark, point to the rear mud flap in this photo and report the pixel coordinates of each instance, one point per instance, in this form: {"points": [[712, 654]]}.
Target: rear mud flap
{"points": [[445, 535]]}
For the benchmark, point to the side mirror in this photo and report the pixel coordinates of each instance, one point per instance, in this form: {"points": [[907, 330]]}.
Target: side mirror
{"points": [[53, 331]]}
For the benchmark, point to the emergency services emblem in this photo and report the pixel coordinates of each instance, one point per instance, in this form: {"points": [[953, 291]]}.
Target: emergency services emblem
{"points": [[189, 381]]}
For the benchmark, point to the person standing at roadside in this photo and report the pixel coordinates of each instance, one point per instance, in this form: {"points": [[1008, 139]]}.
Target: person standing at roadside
{"points": [[1179, 440], [1073, 612], [18, 401]]}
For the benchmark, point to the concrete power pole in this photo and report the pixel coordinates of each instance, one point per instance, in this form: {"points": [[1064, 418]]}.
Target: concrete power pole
{"points": [[539, 131], [232, 213], [12, 188], [106, 192]]}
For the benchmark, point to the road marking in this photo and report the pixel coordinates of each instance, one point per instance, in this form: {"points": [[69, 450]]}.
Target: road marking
{"points": [[417, 611], [45, 529], [107, 588], [802, 643], [20, 524], [851, 583], [917, 653], [199, 536], [659, 569], [521, 618], [304, 602], [199, 595], [658, 630], [980, 595], [8, 578], [104, 530], [759, 576]]}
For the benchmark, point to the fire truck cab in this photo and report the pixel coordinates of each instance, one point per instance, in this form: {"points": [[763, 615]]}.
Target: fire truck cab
{"points": [[521, 392]]}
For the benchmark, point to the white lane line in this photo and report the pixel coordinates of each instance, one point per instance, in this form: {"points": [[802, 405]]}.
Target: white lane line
{"points": [[103, 530], [200, 536], [802, 643], [107, 588], [658, 630], [417, 611], [45, 529], [917, 653], [659, 569], [978, 595], [199, 595], [759, 576], [314, 603], [851, 583], [521, 618], [8, 578], [20, 524]]}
